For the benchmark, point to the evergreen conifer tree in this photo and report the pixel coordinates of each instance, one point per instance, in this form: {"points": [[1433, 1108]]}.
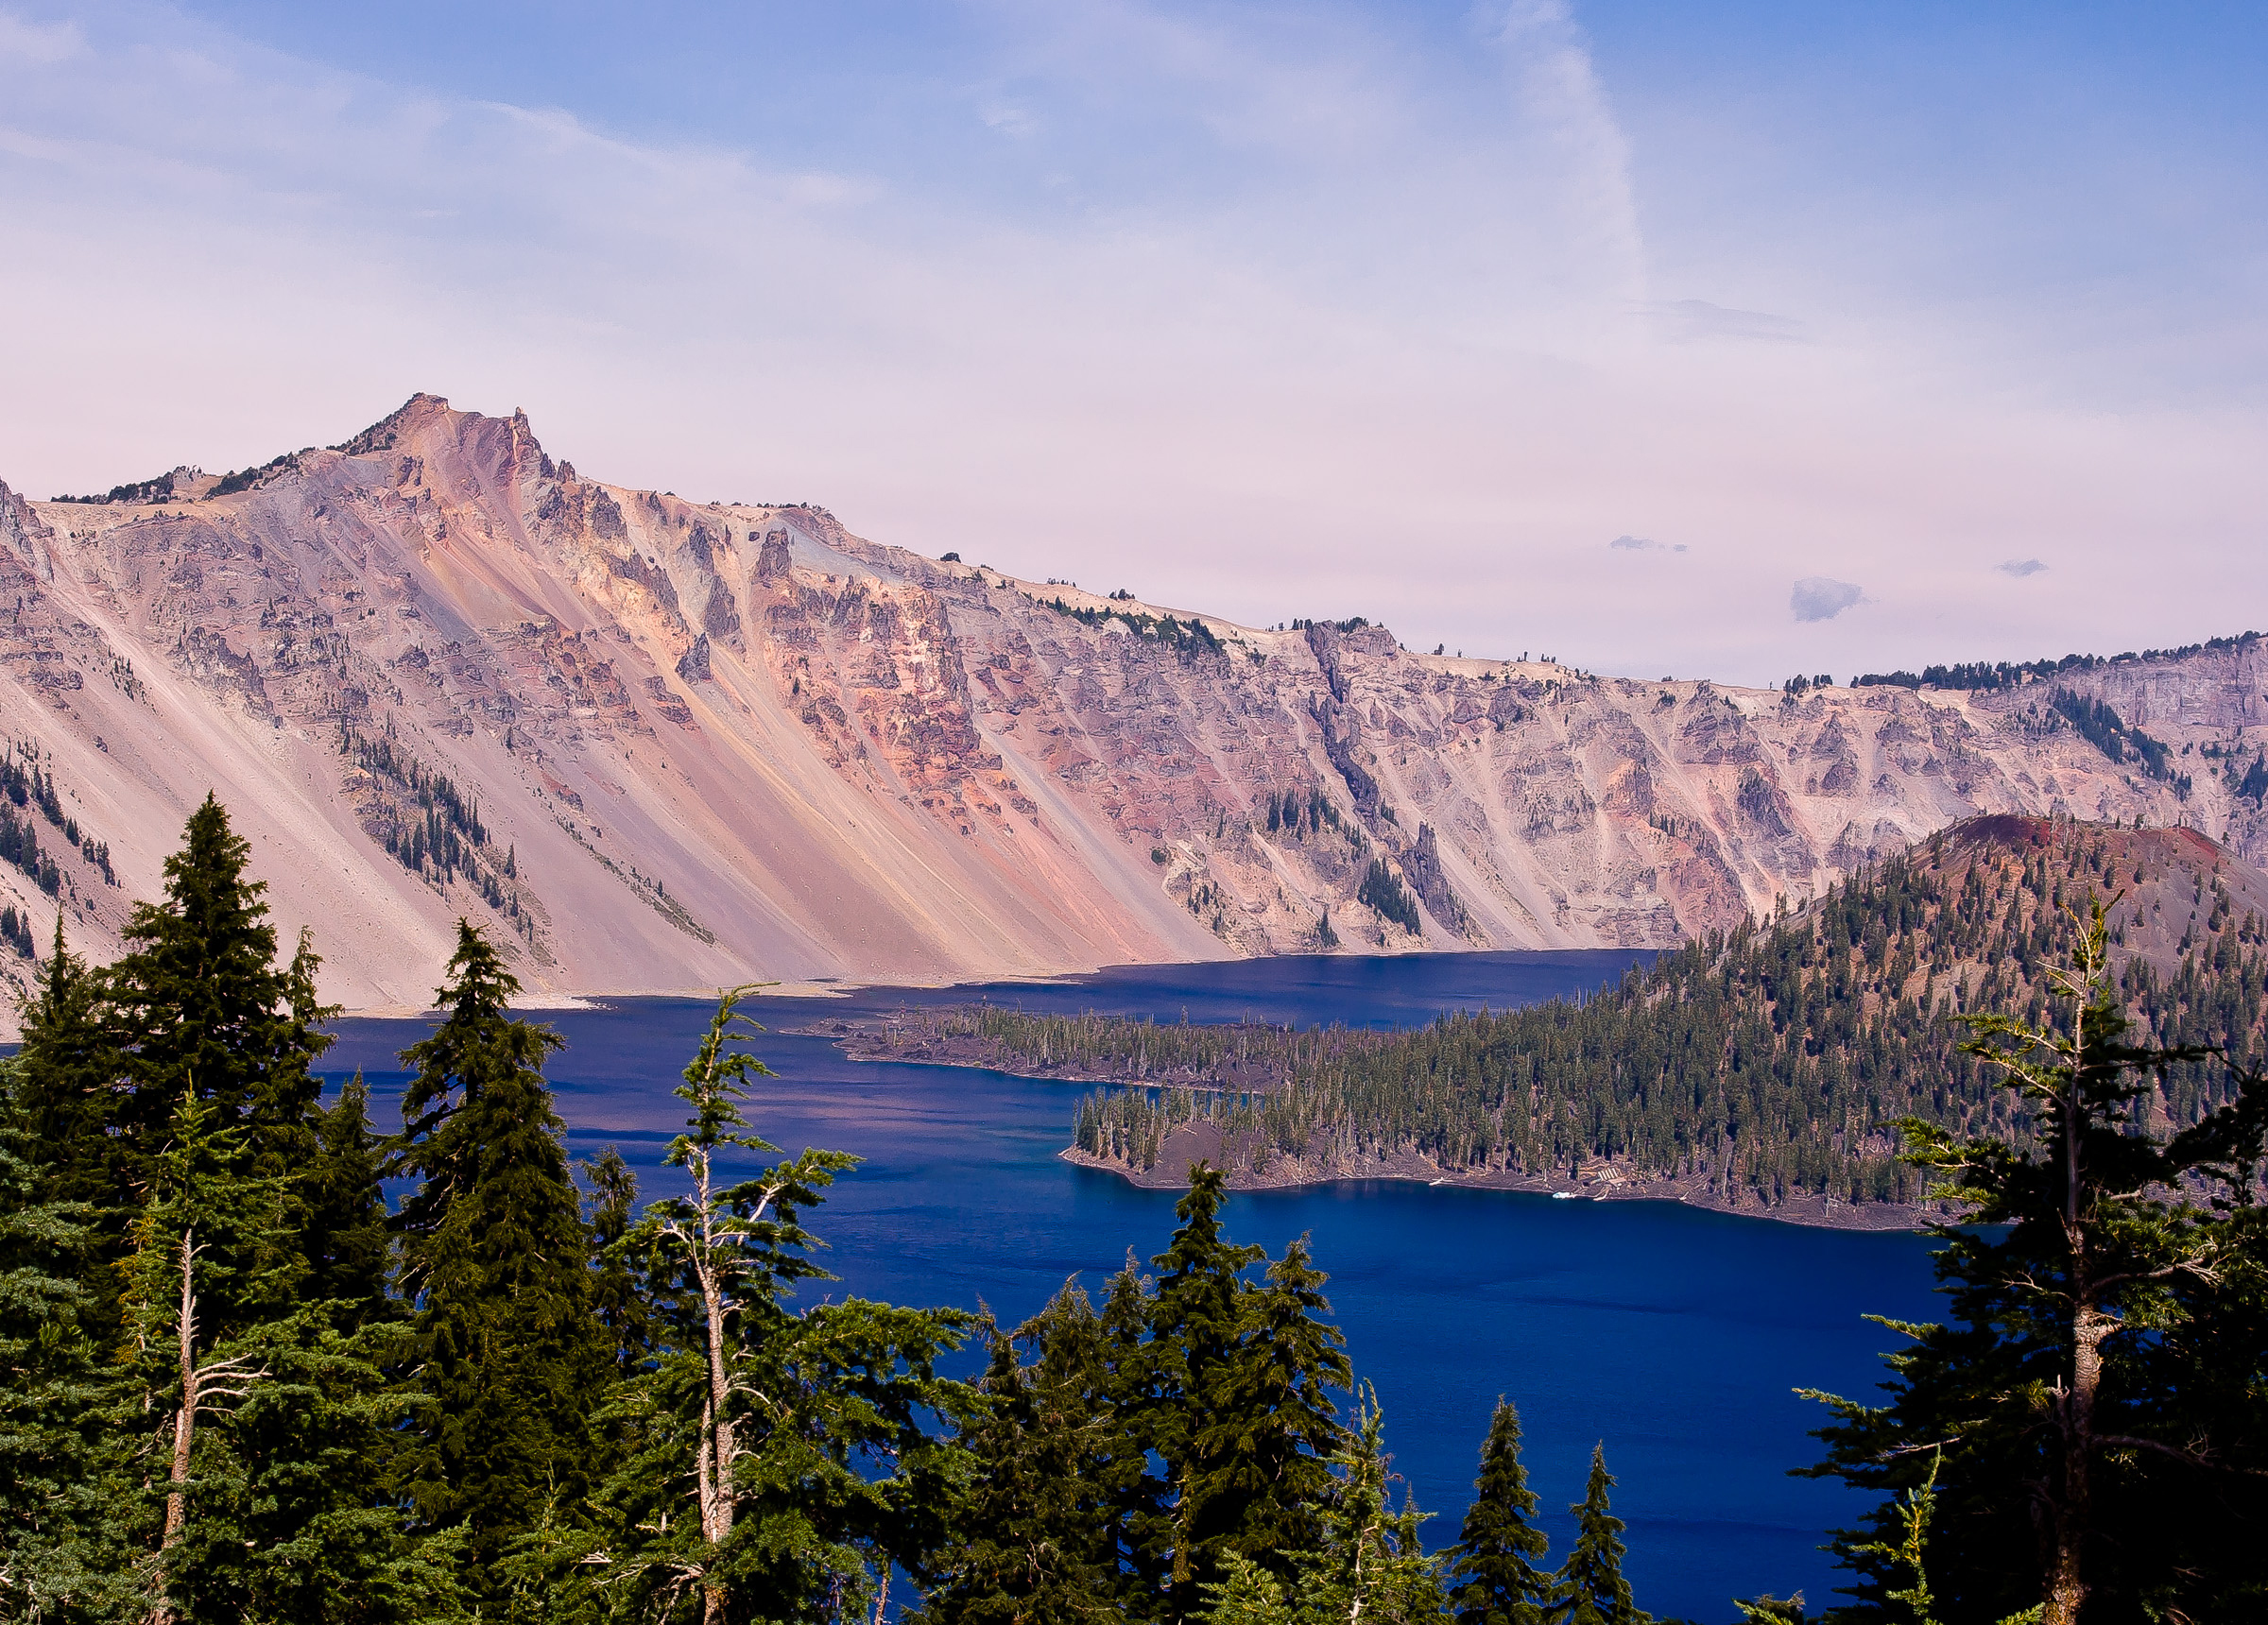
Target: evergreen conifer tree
{"points": [[505, 1357], [1140, 1522], [1034, 1530], [1494, 1561], [797, 1435], [63, 1526], [61, 1099], [206, 1235], [1589, 1588], [620, 1296], [1365, 1564], [2100, 1377], [349, 1255], [1267, 1433], [201, 996], [1197, 1322]]}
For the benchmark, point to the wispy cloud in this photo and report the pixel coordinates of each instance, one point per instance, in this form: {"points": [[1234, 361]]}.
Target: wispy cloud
{"points": [[1645, 544], [43, 45], [2020, 567], [1687, 321]]}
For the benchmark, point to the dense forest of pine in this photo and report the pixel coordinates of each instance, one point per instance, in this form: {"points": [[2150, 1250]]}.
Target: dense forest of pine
{"points": [[1774, 1060], [238, 1383]]}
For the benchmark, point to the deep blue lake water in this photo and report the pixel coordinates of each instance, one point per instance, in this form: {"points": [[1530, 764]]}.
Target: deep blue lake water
{"points": [[1672, 1335]]}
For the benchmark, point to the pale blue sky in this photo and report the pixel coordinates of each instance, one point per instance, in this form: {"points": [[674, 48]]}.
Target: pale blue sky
{"points": [[1407, 311]]}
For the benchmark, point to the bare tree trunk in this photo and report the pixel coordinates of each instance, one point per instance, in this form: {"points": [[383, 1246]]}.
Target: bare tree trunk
{"points": [[2065, 1589], [717, 1427], [184, 1424]]}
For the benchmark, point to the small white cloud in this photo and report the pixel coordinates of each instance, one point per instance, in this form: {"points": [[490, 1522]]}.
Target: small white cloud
{"points": [[2020, 567], [1822, 598], [1645, 544]]}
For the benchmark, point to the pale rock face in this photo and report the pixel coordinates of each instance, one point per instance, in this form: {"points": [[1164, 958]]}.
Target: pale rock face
{"points": [[709, 745]]}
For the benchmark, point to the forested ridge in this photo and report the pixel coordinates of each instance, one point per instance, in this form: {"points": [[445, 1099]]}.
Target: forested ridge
{"points": [[1747, 1068]]}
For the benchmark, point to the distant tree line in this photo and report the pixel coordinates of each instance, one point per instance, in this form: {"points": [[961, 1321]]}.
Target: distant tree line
{"points": [[26, 784], [1989, 674]]}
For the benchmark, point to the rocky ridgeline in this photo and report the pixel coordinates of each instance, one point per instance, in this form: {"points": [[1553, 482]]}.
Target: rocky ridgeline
{"points": [[726, 740]]}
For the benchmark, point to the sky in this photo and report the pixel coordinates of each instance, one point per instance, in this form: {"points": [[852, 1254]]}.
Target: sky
{"points": [[1739, 339]]}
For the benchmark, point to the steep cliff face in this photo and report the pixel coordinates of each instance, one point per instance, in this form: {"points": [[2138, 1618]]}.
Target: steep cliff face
{"points": [[661, 745]]}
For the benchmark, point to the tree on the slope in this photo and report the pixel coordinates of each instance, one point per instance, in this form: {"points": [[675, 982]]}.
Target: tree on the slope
{"points": [[505, 1359], [2102, 1376], [798, 1435], [1365, 1564], [1493, 1563], [1035, 1531], [1589, 1588]]}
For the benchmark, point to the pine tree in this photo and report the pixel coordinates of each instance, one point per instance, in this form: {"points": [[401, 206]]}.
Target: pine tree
{"points": [[1035, 1538], [1196, 1323], [507, 1360], [206, 1236], [1367, 1563], [1494, 1561], [275, 1432], [1589, 1588], [1260, 1466], [795, 1435], [2098, 1379], [61, 1102], [62, 1539], [200, 997], [344, 1237], [619, 1294]]}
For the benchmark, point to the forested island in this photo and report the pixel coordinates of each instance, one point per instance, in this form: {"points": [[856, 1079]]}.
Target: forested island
{"points": [[1763, 1071]]}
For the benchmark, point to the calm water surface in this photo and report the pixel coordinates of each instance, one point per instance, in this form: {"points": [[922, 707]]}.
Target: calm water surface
{"points": [[1672, 1335]]}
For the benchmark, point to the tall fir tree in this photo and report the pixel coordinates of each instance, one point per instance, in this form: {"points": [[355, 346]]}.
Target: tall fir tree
{"points": [[1589, 1588], [344, 1237], [64, 1528], [1493, 1566], [2087, 1414], [199, 1000], [1035, 1532], [63, 1096], [505, 1358], [621, 1297], [1365, 1564], [1195, 1323], [1260, 1466], [797, 1435]]}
